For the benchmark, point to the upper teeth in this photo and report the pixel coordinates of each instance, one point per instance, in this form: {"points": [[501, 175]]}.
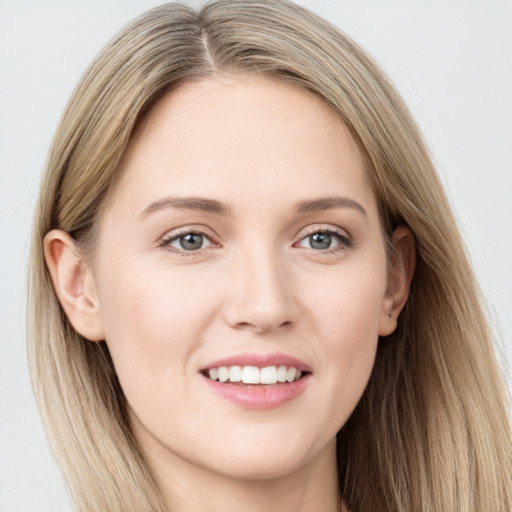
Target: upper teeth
{"points": [[255, 375]]}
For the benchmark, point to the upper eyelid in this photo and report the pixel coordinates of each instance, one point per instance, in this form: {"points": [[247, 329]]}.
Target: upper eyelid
{"points": [[318, 228], [185, 230]]}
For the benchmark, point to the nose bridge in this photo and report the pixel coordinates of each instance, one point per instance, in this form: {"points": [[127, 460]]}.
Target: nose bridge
{"points": [[261, 297]]}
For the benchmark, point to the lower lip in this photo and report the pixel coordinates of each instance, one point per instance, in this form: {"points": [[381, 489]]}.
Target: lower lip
{"points": [[259, 396]]}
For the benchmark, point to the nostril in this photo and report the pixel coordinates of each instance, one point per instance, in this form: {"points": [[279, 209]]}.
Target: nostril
{"points": [[260, 300]]}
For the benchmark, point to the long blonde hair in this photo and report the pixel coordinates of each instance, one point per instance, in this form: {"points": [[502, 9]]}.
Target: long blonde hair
{"points": [[431, 431]]}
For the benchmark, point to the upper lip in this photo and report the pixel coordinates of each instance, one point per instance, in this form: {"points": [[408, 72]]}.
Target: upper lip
{"points": [[259, 360]]}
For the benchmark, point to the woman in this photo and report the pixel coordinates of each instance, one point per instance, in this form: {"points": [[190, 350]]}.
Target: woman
{"points": [[247, 286]]}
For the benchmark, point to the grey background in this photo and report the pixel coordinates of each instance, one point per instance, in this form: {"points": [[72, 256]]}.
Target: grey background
{"points": [[452, 61]]}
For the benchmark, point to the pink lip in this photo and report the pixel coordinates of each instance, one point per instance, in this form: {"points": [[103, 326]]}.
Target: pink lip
{"points": [[259, 396], [260, 360]]}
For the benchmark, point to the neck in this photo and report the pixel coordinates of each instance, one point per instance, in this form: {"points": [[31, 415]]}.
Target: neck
{"points": [[187, 488]]}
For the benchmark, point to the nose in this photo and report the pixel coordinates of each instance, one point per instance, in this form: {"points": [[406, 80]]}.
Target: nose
{"points": [[260, 293]]}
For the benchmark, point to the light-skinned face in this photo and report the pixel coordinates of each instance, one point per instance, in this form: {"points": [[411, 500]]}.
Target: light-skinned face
{"points": [[241, 241]]}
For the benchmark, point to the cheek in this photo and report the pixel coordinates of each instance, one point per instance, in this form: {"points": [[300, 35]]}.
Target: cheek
{"points": [[153, 324], [346, 317], [346, 303]]}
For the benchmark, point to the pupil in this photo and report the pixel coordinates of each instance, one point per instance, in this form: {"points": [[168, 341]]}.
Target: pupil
{"points": [[320, 241], [191, 241]]}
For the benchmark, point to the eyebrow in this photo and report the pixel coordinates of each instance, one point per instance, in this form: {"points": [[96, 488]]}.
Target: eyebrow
{"points": [[326, 203], [201, 204], [198, 204]]}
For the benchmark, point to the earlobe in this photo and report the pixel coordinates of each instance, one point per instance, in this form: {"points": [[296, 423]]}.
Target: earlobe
{"points": [[73, 284], [400, 272]]}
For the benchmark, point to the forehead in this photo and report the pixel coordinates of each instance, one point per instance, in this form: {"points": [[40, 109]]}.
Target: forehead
{"points": [[241, 134]]}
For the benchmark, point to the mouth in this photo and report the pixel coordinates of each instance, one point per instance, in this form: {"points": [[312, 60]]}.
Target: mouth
{"points": [[253, 375], [254, 381]]}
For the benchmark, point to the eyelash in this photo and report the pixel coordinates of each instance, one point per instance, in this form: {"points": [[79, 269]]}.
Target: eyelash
{"points": [[168, 240], [345, 241]]}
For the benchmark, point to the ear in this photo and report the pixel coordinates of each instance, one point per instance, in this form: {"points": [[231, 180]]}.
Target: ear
{"points": [[400, 271], [74, 284]]}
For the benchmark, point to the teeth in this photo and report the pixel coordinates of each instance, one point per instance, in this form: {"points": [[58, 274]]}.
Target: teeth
{"points": [[282, 371], [250, 375], [268, 375], [255, 375], [291, 374], [223, 374], [235, 374]]}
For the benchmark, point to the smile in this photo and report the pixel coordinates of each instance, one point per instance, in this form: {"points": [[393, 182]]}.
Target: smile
{"points": [[256, 381], [255, 375]]}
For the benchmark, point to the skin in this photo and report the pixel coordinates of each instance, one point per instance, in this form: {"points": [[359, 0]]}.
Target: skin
{"points": [[259, 147]]}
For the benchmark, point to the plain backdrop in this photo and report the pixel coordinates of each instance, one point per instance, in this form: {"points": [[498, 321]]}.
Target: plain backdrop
{"points": [[451, 60]]}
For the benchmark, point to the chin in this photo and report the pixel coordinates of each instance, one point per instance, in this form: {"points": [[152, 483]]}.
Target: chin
{"points": [[260, 469], [271, 460]]}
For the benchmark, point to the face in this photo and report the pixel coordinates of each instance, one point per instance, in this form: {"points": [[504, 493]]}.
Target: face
{"points": [[242, 241]]}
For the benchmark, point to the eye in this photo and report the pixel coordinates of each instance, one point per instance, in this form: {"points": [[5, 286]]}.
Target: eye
{"points": [[323, 240], [188, 242]]}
